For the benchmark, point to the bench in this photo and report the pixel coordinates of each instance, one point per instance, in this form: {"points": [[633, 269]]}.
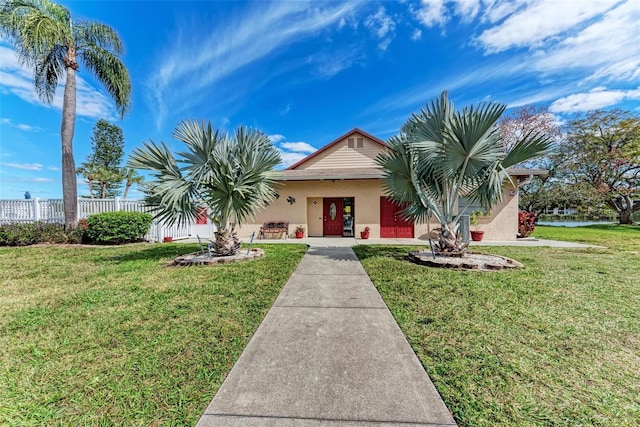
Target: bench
{"points": [[274, 229]]}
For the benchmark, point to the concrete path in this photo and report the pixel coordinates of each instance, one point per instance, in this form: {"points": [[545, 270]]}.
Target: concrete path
{"points": [[328, 353]]}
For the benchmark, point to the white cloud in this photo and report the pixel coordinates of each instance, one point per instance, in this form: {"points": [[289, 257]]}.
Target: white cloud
{"points": [[18, 80], [275, 138], [182, 72], [53, 168], [431, 13], [539, 21], [332, 63], [416, 35], [609, 46], [284, 111], [290, 158], [298, 147], [25, 166], [21, 126], [594, 99], [381, 26]]}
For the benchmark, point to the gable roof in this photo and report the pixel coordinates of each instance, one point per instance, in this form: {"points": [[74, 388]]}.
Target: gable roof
{"points": [[334, 142]]}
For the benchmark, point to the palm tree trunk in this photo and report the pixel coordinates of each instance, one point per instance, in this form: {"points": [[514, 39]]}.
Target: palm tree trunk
{"points": [[69, 184], [126, 190]]}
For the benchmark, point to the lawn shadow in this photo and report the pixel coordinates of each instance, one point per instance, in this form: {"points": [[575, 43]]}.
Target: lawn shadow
{"points": [[155, 252], [371, 251]]}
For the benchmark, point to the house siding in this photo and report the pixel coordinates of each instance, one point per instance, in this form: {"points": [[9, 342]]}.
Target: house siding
{"points": [[341, 155]]}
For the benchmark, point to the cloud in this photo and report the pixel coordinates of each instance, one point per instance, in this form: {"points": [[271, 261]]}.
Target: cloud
{"points": [[53, 168], [431, 13], [538, 22], [594, 99], [380, 23], [290, 158], [275, 138], [416, 35], [257, 33], [284, 111], [18, 80], [21, 126], [332, 63], [606, 48], [24, 166], [298, 147]]}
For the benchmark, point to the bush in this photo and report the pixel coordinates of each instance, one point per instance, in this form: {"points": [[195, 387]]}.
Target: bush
{"points": [[117, 228], [526, 223], [25, 234]]}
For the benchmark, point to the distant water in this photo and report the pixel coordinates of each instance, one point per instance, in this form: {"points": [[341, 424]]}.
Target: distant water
{"points": [[572, 223]]}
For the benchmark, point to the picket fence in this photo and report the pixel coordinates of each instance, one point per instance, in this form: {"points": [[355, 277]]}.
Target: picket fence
{"points": [[32, 210]]}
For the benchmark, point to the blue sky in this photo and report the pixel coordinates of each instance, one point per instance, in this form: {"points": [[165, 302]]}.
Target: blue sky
{"points": [[307, 72]]}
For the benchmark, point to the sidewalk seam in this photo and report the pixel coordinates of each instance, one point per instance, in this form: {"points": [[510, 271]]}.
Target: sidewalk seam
{"points": [[340, 420]]}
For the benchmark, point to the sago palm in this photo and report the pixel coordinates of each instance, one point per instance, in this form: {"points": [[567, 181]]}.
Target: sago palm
{"points": [[46, 38], [442, 155], [232, 174]]}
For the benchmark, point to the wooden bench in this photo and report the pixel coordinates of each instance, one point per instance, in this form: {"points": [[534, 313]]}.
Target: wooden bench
{"points": [[274, 229]]}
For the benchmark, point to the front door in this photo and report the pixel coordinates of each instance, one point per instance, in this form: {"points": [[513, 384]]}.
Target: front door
{"points": [[332, 217], [391, 225]]}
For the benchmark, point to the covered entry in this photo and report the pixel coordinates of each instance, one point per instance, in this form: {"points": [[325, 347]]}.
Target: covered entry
{"points": [[391, 225]]}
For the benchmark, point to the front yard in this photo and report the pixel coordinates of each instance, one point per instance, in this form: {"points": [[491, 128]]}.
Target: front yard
{"points": [[555, 344], [110, 336]]}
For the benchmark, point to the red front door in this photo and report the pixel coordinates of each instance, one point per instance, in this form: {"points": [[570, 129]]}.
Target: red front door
{"points": [[391, 225], [332, 217]]}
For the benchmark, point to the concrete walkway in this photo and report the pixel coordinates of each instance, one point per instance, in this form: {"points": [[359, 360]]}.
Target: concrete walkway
{"points": [[328, 353]]}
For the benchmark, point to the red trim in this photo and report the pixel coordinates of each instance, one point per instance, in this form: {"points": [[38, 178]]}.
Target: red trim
{"points": [[334, 142]]}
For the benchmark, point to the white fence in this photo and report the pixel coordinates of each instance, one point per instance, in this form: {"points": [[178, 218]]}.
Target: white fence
{"points": [[52, 211]]}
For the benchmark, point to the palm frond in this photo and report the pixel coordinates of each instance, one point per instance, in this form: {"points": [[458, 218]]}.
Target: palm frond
{"points": [[111, 72], [532, 145]]}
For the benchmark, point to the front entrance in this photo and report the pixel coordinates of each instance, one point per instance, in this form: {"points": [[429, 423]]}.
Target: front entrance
{"points": [[391, 225], [332, 210]]}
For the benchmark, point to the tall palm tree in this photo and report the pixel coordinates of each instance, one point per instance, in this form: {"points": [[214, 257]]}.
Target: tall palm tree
{"points": [[46, 38], [232, 174], [89, 171], [442, 155], [131, 177]]}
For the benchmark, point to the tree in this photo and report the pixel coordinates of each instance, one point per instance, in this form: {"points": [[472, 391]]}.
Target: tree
{"points": [[105, 160], [442, 155], [131, 177], [234, 175], [601, 151], [47, 39], [542, 191]]}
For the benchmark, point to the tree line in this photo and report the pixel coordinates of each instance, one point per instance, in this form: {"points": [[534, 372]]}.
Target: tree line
{"points": [[594, 162]]}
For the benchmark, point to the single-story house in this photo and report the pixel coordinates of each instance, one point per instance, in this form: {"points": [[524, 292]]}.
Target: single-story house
{"points": [[336, 191]]}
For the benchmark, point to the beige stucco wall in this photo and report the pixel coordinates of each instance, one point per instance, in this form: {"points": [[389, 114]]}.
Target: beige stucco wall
{"points": [[501, 224], [339, 155]]}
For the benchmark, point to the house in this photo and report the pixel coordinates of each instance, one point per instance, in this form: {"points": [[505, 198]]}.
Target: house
{"points": [[336, 191]]}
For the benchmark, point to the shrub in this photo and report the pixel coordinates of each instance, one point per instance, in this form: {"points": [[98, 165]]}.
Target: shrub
{"points": [[526, 223], [117, 228], [24, 234]]}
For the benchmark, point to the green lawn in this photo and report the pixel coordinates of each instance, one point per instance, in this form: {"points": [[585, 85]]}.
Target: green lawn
{"points": [[555, 344], [111, 336], [620, 237]]}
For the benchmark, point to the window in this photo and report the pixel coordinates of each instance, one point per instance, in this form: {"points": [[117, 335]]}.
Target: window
{"points": [[350, 143], [360, 143]]}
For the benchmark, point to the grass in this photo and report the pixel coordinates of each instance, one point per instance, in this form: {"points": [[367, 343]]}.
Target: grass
{"points": [[620, 237], [111, 336], [555, 344]]}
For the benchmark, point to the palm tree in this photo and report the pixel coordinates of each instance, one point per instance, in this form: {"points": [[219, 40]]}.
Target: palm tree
{"points": [[46, 38], [131, 177], [442, 155], [88, 170], [232, 174]]}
